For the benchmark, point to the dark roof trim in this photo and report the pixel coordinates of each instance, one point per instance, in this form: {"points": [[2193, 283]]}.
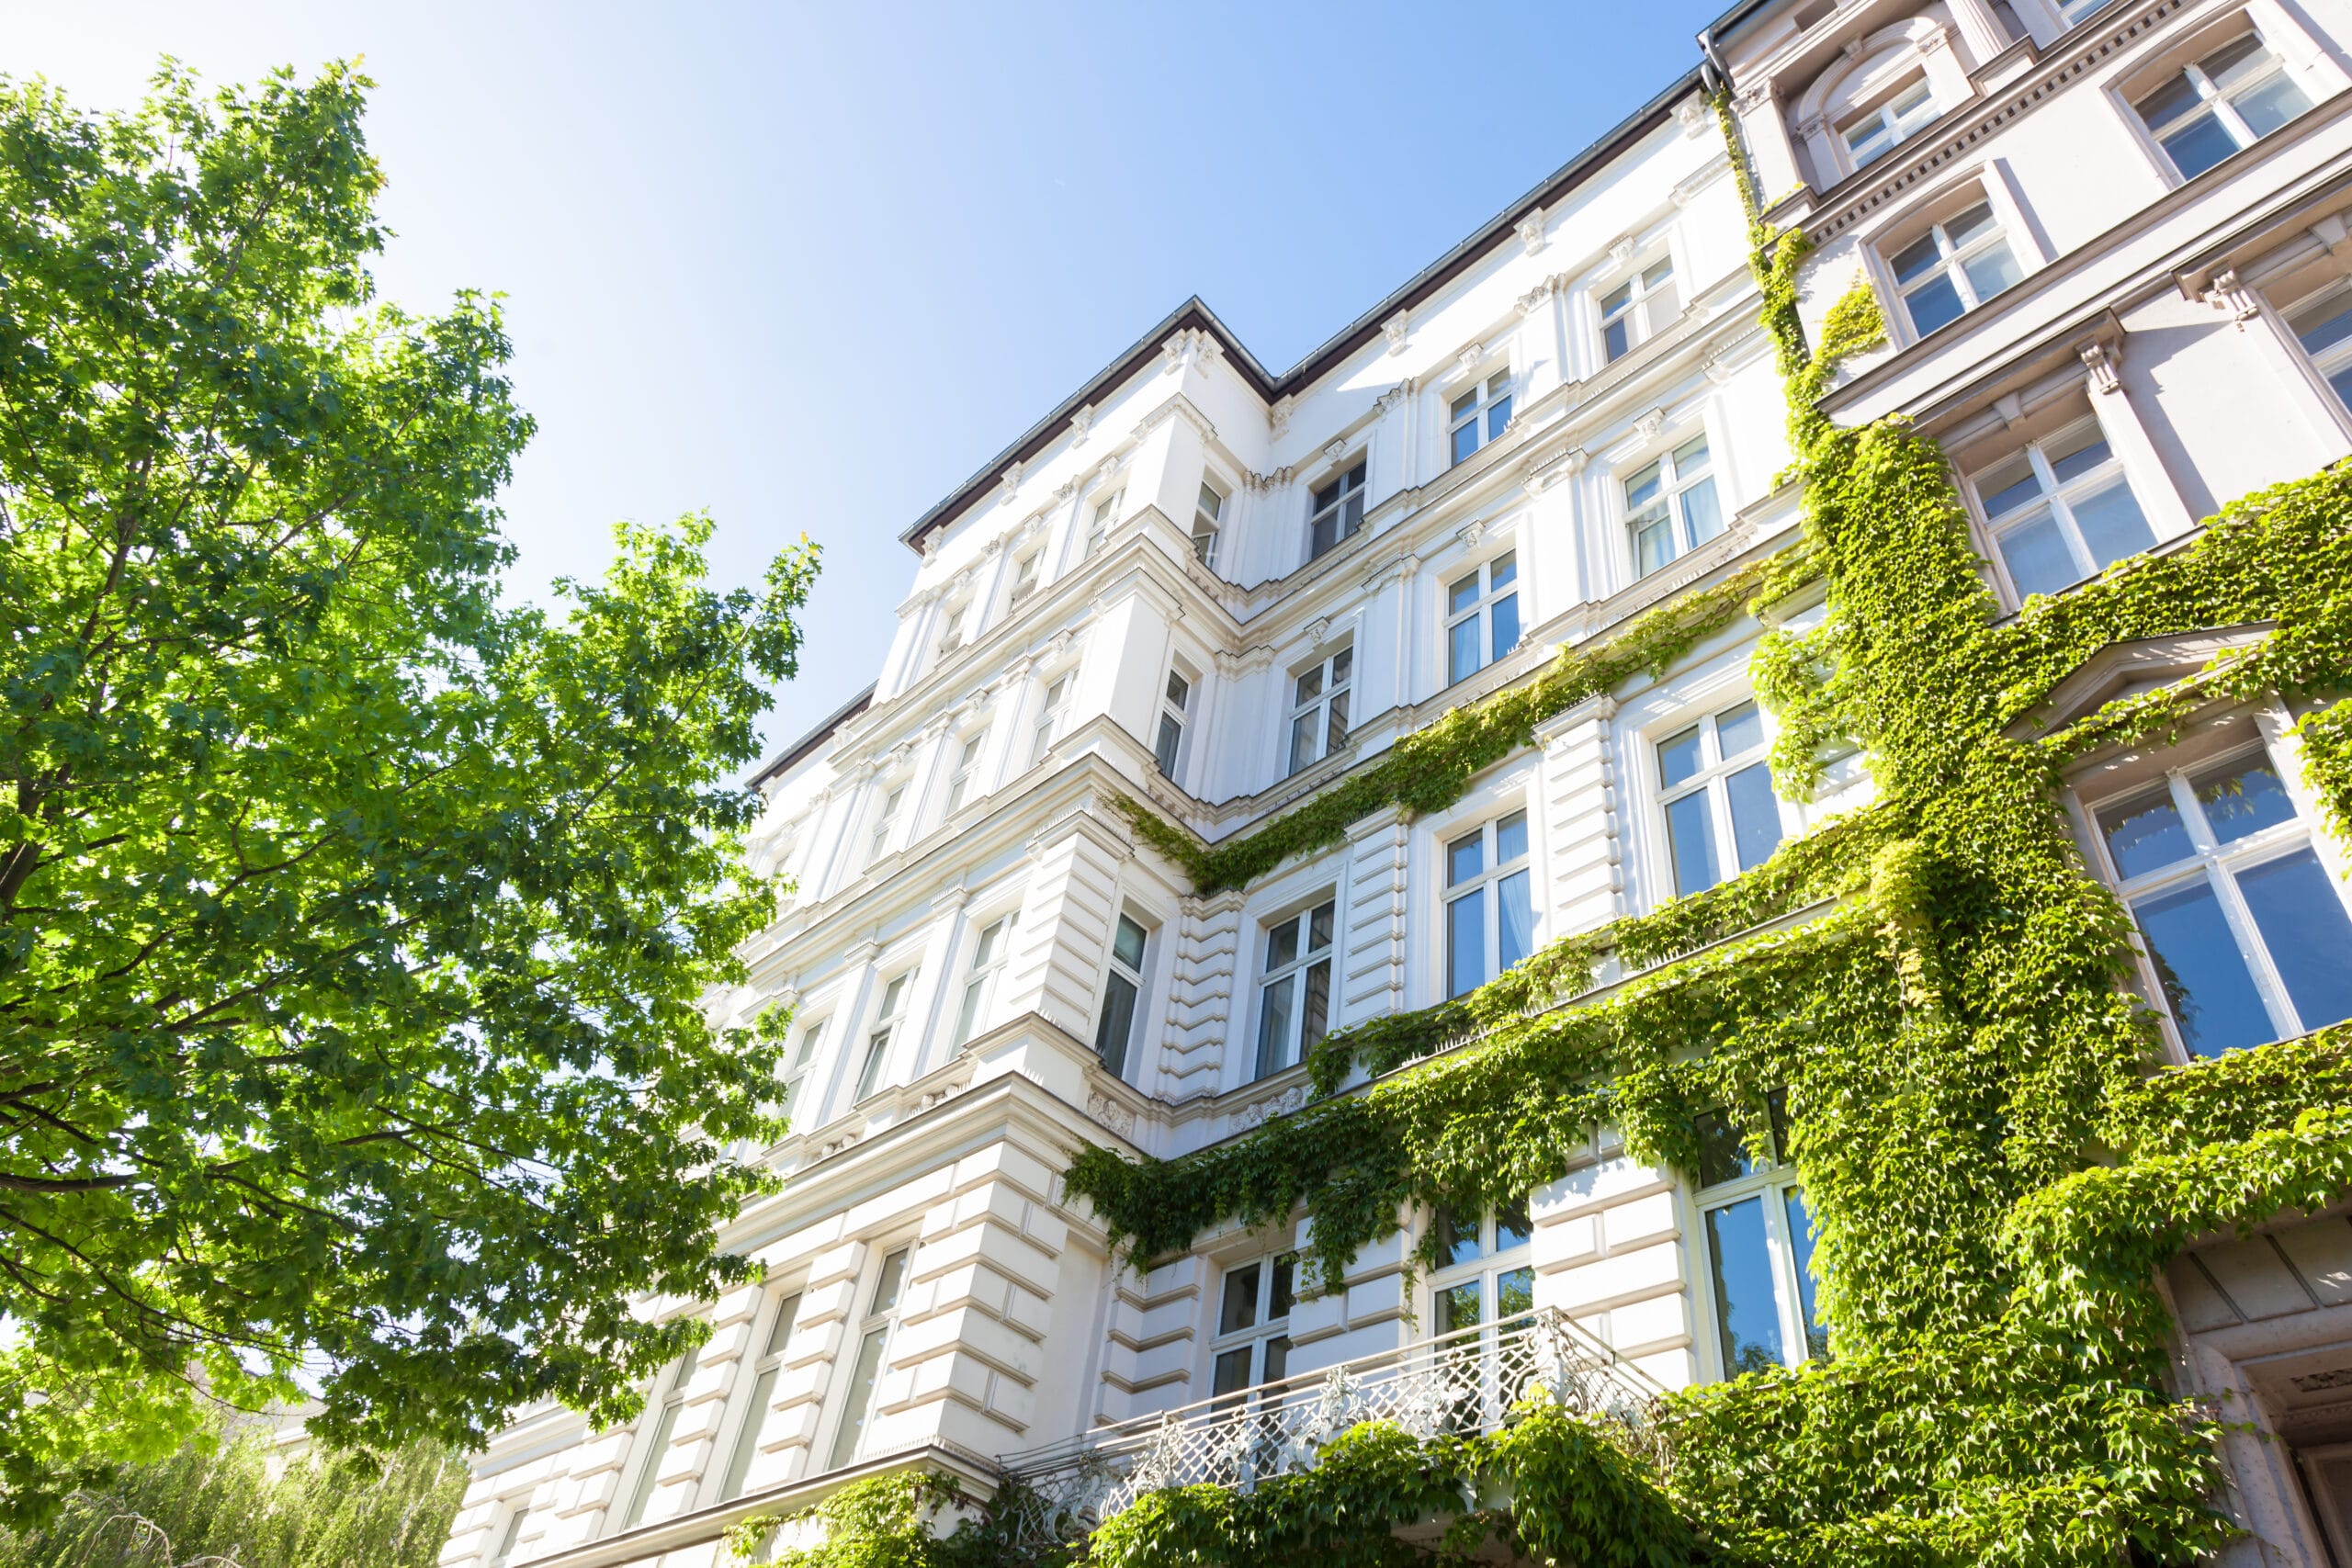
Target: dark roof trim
{"points": [[1194, 313], [814, 739]]}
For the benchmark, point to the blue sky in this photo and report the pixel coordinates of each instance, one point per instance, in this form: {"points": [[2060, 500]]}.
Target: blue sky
{"points": [[808, 266]]}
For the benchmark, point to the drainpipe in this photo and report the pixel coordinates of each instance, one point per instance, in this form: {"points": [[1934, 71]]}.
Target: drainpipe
{"points": [[1714, 74]]}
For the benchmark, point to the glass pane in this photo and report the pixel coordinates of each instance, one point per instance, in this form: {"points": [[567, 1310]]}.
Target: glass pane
{"points": [[1277, 1358], [1172, 736], [1317, 1015], [2274, 103], [1282, 946], [747, 1441], [1755, 815], [1615, 340], [2200, 145], [1462, 659], [1180, 691], [1991, 270], [1319, 927], [1497, 416], [2242, 798], [1653, 545], [1617, 298], [1514, 1292], [862, 1377], [1464, 404], [968, 1014], [1231, 1374], [1462, 594], [2205, 979], [1503, 569], [780, 1331], [2235, 59], [1238, 1308], [2078, 452], [1211, 503], [1310, 687], [2146, 833], [2175, 97], [1505, 617], [1128, 943], [1816, 1337], [2324, 323], [1511, 838], [1118, 1022], [1916, 260], [878, 1052], [2303, 922], [1690, 457], [1642, 489], [1336, 725], [985, 953], [1457, 1307], [887, 1284], [1738, 730], [1285, 1287], [1657, 273], [1342, 665], [2111, 525], [1703, 517], [1273, 1026], [1514, 921], [1466, 944], [1464, 858], [1303, 730], [1679, 757], [1747, 1313], [1692, 837], [2036, 557], [890, 995], [2009, 486], [642, 1493], [1723, 1149], [1511, 1226], [1971, 225], [1465, 440], [1456, 1242], [1933, 304]]}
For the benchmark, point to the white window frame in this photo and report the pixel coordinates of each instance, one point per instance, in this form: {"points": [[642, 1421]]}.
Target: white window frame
{"points": [[1483, 414], [1118, 970], [2059, 498], [1175, 704], [648, 1472], [2332, 361], [1488, 596], [2216, 864], [796, 1076], [1208, 521], [1653, 303], [2211, 99], [890, 799], [1270, 1310], [1349, 490], [1486, 883], [1675, 502], [1053, 702], [517, 1510], [1952, 260], [764, 1372], [951, 636], [991, 948], [1320, 718], [889, 1012], [876, 1327], [969, 746], [1772, 1182], [1713, 779], [1895, 118], [1025, 569], [1295, 979], [1487, 1265], [1102, 516]]}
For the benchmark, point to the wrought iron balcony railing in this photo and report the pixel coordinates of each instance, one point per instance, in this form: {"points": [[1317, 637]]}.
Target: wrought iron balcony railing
{"points": [[1464, 1382]]}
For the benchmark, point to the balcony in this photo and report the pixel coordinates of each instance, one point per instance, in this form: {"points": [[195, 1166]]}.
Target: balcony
{"points": [[1464, 1382]]}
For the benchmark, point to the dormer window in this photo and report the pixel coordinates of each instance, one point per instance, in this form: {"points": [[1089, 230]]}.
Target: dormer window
{"points": [[1479, 415], [1208, 512], [1874, 132], [1638, 309], [1339, 511]]}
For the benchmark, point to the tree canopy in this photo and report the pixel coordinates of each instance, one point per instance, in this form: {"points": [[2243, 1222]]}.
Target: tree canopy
{"points": [[356, 926]]}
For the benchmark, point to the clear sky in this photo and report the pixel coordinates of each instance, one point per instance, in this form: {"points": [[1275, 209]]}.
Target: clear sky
{"points": [[808, 267]]}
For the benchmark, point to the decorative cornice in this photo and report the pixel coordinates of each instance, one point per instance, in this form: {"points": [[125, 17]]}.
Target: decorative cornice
{"points": [[1530, 230], [1394, 329], [1080, 423]]}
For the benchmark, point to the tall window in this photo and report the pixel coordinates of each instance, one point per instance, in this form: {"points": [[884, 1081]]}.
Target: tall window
{"points": [[1638, 309], [878, 1039], [1319, 709], [1208, 512], [952, 638], [1116, 1029], [874, 1336], [1953, 267], [2324, 326], [1479, 415], [1339, 511], [1169, 746], [1872, 133], [1294, 998], [968, 763], [2245, 928], [2061, 510], [1098, 526], [673, 1402], [2232, 98], [1482, 1274], [1760, 1253], [878, 843], [796, 1080], [1490, 904], [1253, 1343], [516, 1514], [764, 1372], [1671, 506], [987, 959], [1049, 719], [1717, 792], [1025, 576], [1481, 616]]}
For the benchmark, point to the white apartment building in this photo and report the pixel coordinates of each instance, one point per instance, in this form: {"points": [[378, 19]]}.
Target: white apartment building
{"points": [[1224, 590]]}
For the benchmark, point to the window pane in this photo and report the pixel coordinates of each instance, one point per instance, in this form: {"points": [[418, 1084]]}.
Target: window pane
{"points": [[1738, 730], [1118, 1023], [1466, 944], [1690, 456], [1991, 270], [1335, 724], [2175, 97], [1464, 858], [2009, 487], [1748, 1315], [1457, 1243], [1702, 518], [2112, 524], [2200, 145], [1273, 1026], [2270, 106], [968, 1014], [1310, 687], [1642, 489], [2325, 323], [1514, 1292], [1342, 665], [1461, 652], [1511, 838], [2078, 452], [1277, 1359], [1617, 298], [1172, 736], [1462, 595], [1514, 921], [1505, 616], [1282, 946], [2204, 976], [1465, 440], [1464, 404], [642, 1493], [1128, 943], [878, 1052], [985, 953], [1615, 340], [1971, 225], [862, 1377], [2234, 60], [1317, 1014], [1319, 927], [2146, 834], [780, 1331], [747, 1441], [1755, 815], [1678, 757], [1497, 416], [1238, 1309], [1723, 1149], [1231, 1374], [1816, 1337], [1503, 569], [1284, 1289], [1653, 545], [1457, 1307], [1692, 837], [2303, 922], [1916, 260], [2242, 798], [1933, 304], [2036, 557]]}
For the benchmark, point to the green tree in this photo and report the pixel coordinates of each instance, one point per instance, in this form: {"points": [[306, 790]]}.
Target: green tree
{"points": [[355, 928]]}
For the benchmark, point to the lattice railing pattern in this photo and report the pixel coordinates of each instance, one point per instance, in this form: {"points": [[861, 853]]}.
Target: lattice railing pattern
{"points": [[1464, 1382]]}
